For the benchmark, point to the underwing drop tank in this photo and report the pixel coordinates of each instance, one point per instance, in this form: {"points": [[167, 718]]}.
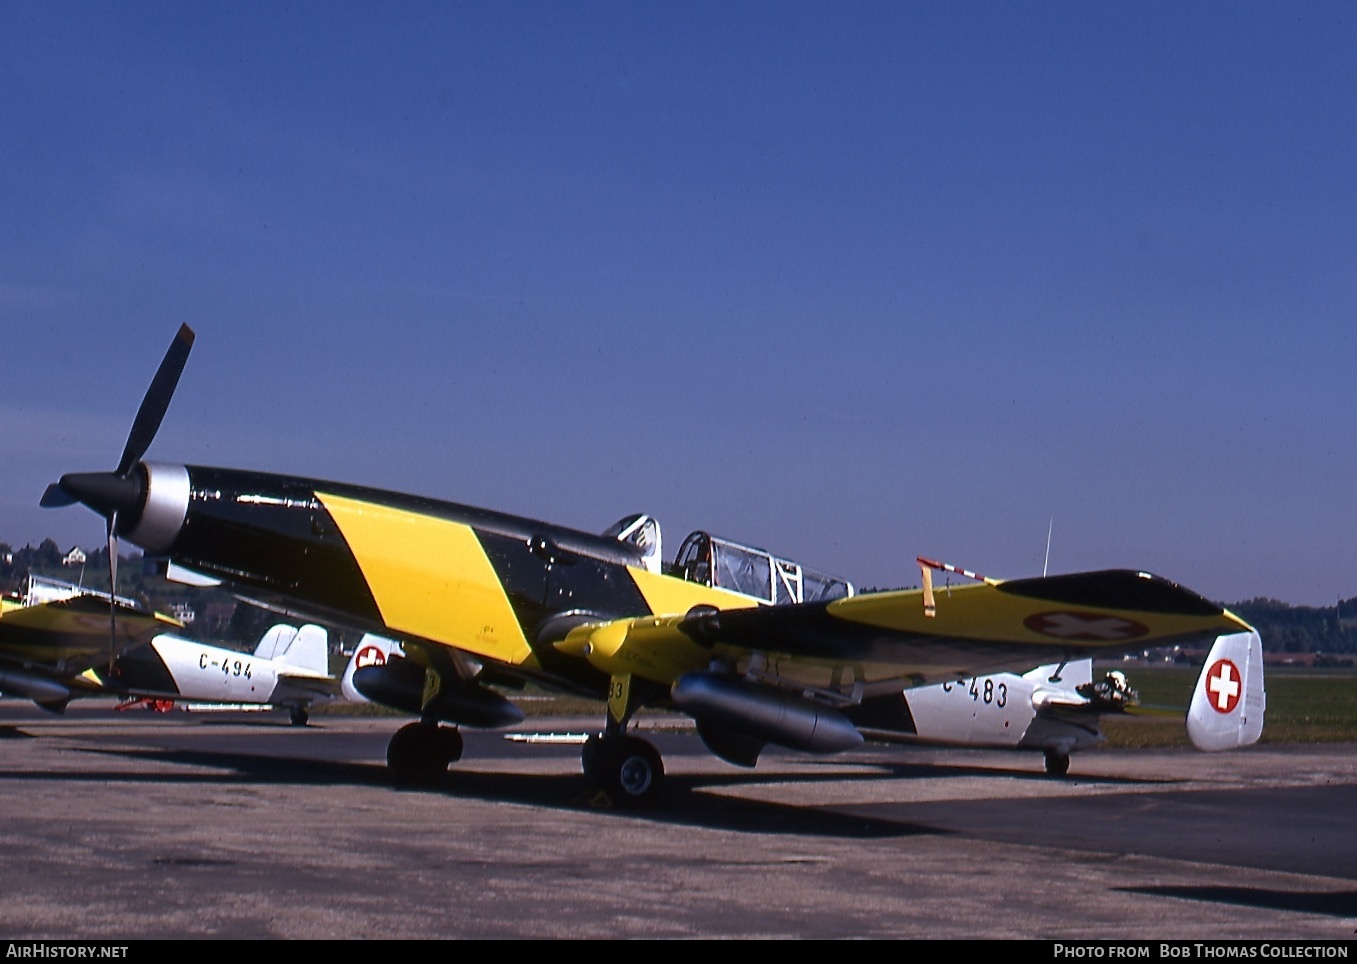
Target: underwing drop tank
{"points": [[758, 712]]}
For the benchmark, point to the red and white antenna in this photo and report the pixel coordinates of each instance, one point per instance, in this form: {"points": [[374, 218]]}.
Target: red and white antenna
{"points": [[927, 564], [926, 567]]}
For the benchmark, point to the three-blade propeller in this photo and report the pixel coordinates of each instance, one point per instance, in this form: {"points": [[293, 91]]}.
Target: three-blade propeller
{"points": [[110, 493]]}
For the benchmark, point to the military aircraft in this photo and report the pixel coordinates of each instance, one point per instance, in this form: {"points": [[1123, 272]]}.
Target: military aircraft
{"points": [[756, 649], [288, 670], [47, 647], [1059, 709]]}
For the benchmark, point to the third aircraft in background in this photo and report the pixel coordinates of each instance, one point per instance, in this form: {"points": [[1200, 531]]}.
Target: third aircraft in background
{"points": [[54, 647], [1056, 710]]}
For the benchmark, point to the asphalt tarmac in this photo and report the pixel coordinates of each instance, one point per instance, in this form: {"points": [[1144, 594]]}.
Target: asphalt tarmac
{"points": [[134, 826]]}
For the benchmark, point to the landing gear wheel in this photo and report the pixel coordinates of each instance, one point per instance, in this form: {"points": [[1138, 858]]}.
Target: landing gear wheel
{"points": [[420, 753], [299, 716], [1057, 764], [627, 768], [591, 754]]}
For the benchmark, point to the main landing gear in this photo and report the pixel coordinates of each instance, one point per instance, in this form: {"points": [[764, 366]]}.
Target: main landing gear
{"points": [[626, 769], [419, 754]]}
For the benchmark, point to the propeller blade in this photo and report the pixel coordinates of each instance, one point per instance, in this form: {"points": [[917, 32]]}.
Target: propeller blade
{"points": [[55, 497], [112, 586], [157, 400]]}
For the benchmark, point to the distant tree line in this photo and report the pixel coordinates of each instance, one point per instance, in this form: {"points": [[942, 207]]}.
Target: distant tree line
{"points": [[220, 617], [1302, 629]]}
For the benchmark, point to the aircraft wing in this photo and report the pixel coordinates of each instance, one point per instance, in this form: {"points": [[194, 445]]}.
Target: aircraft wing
{"points": [[997, 626], [74, 634]]}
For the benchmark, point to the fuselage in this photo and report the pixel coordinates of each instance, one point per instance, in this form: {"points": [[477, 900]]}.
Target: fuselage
{"points": [[175, 668], [493, 585]]}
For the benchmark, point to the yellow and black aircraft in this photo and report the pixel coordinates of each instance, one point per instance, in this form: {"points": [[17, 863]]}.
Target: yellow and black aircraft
{"points": [[48, 652], [757, 650]]}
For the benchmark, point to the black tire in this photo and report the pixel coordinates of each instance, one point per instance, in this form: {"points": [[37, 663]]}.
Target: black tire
{"points": [[590, 756], [419, 753], [628, 769], [450, 745], [1057, 764], [299, 716]]}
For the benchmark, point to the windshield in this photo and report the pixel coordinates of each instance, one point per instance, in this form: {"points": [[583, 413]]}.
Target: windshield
{"points": [[712, 561]]}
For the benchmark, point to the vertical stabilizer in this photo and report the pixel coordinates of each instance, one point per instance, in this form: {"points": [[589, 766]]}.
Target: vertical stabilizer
{"points": [[309, 650], [1228, 703], [372, 650], [275, 641]]}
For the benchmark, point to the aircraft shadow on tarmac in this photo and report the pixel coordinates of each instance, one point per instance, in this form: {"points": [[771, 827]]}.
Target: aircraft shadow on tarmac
{"points": [[684, 801], [1332, 904], [687, 799], [913, 769]]}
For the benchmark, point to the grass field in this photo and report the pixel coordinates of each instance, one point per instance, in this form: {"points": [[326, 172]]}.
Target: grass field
{"points": [[1303, 706]]}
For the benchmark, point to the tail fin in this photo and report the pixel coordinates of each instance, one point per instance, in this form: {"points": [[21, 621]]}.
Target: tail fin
{"points": [[372, 650], [1229, 701], [308, 650], [275, 641]]}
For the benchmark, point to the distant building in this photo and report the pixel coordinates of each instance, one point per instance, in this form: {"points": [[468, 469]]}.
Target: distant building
{"points": [[183, 612], [76, 557]]}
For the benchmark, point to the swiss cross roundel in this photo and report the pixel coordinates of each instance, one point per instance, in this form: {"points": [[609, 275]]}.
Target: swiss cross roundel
{"points": [[369, 656], [1085, 627], [1224, 684]]}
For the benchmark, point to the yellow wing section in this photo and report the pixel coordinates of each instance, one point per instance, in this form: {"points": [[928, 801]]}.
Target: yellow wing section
{"points": [[970, 630], [70, 635]]}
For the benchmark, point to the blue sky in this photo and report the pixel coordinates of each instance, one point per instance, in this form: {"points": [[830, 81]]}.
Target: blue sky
{"points": [[853, 282]]}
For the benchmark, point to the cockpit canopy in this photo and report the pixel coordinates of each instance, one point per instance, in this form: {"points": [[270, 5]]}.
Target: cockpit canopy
{"points": [[712, 561]]}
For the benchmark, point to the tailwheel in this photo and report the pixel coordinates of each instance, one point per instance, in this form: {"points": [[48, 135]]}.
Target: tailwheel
{"points": [[626, 768], [420, 753], [1057, 763]]}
